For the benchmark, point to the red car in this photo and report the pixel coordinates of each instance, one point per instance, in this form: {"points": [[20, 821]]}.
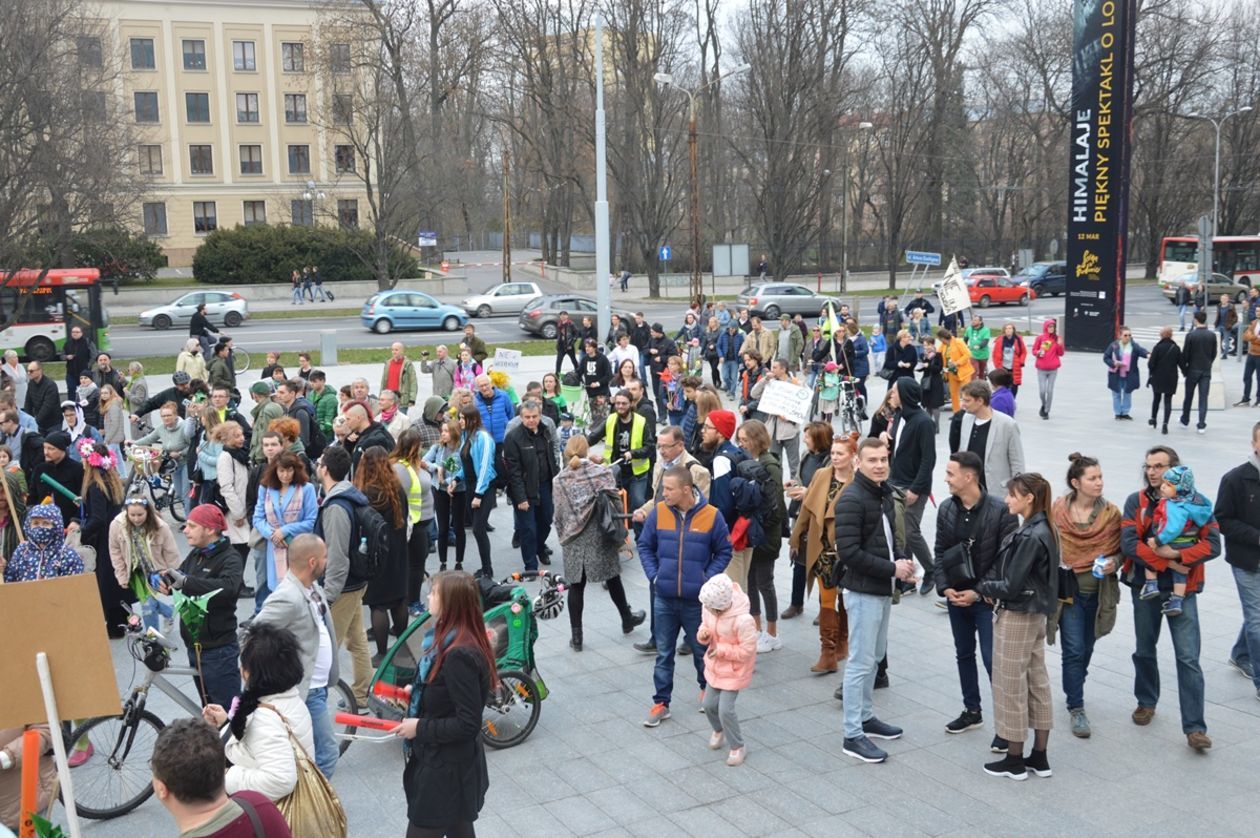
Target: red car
{"points": [[987, 289]]}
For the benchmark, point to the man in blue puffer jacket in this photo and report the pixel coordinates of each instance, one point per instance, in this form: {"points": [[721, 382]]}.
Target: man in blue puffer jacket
{"points": [[684, 542]]}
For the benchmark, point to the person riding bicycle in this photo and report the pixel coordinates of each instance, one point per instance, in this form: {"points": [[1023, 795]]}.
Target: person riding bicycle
{"points": [[172, 441]]}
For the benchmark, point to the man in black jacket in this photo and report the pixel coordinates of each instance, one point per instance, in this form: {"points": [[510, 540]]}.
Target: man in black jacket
{"points": [[79, 353], [912, 438], [595, 371], [364, 433], [1238, 515], [1197, 355], [181, 390], [529, 453], [640, 334], [43, 401], [59, 466], [871, 557], [659, 350], [1182, 300], [974, 522], [566, 334]]}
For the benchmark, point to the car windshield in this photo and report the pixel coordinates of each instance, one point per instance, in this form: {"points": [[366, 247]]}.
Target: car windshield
{"points": [[1033, 271]]}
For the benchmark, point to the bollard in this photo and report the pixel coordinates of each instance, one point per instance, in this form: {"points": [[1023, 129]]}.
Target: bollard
{"points": [[328, 348]]}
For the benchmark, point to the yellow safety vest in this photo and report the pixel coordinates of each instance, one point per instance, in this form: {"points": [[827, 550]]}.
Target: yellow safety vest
{"points": [[637, 425], [414, 495]]}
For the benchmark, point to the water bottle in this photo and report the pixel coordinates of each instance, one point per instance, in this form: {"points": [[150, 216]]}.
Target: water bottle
{"points": [[363, 548], [1099, 563]]}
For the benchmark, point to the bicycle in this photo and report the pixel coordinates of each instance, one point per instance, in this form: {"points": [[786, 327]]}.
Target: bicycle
{"points": [[158, 481], [240, 357], [117, 778]]}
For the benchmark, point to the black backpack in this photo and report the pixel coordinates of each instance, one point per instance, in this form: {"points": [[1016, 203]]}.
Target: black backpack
{"points": [[607, 516], [318, 441], [366, 525]]}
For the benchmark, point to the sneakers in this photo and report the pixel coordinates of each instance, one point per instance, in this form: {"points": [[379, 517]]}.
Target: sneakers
{"points": [[1244, 668], [1009, 766], [999, 745], [1198, 740], [1080, 723], [876, 729], [768, 643], [1172, 607], [658, 714], [1038, 763], [969, 720], [736, 757], [864, 749], [1150, 590], [1142, 715], [78, 757], [1242, 403], [716, 740], [701, 701], [647, 647]]}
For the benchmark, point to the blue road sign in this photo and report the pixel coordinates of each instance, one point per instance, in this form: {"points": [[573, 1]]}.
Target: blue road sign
{"points": [[666, 252], [921, 257]]}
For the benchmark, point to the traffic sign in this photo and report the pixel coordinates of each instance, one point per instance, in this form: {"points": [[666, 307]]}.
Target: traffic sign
{"points": [[666, 252], [922, 257], [427, 238]]}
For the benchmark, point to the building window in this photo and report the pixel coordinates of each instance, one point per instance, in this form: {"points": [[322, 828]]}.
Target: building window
{"points": [[295, 107], [247, 107], [204, 218], [255, 213], [142, 54], [339, 58], [251, 160], [303, 212], [194, 55], [293, 58], [200, 160], [343, 107], [88, 49], [299, 160], [348, 213], [146, 106], [92, 105], [243, 56], [198, 106], [343, 158], [150, 160], [155, 219]]}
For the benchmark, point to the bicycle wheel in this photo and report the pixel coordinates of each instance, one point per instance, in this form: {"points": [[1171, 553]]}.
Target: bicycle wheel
{"points": [[178, 504], [511, 711], [341, 700], [240, 360], [117, 777]]}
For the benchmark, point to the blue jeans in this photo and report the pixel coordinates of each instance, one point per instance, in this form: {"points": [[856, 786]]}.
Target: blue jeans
{"points": [[1121, 401], [221, 673], [1251, 369], [868, 641], [1228, 339], [297, 294], [1247, 647], [261, 591], [637, 495], [672, 615], [534, 525], [1147, 619], [1181, 316], [730, 375], [326, 750], [1076, 640], [152, 609], [968, 624], [1196, 381]]}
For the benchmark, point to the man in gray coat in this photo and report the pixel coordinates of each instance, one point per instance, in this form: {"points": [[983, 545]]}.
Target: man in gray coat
{"points": [[442, 368], [991, 435], [298, 604]]}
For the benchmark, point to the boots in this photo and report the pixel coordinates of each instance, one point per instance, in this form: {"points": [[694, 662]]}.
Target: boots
{"points": [[575, 640], [828, 635]]}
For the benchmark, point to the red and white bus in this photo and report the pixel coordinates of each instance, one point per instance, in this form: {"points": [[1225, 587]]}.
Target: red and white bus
{"points": [[39, 307], [1237, 257]]}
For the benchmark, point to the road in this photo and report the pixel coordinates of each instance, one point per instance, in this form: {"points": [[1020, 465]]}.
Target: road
{"points": [[1146, 307]]}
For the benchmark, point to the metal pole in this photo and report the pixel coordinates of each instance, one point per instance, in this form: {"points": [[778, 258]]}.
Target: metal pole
{"points": [[602, 249], [844, 225], [507, 223], [697, 287], [1216, 181]]}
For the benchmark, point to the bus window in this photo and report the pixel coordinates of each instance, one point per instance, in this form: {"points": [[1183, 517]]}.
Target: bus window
{"points": [[1179, 251], [78, 309]]}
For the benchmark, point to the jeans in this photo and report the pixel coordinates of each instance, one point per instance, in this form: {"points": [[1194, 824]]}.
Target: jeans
{"points": [[730, 376], [672, 615], [1076, 640], [1182, 310], [1247, 647], [1251, 368], [261, 591], [297, 295], [868, 641], [533, 525], [914, 533], [319, 292], [1227, 340], [326, 748], [1045, 384], [1199, 381], [153, 608], [636, 494], [1121, 401], [1147, 619], [220, 678], [968, 624]]}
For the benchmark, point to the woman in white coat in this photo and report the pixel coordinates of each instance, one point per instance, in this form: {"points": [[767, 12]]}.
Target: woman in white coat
{"points": [[259, 750], [233, 478], [141, 545]]}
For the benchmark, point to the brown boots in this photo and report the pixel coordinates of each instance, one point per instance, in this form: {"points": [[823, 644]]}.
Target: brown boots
{"points": [[834, 639]]}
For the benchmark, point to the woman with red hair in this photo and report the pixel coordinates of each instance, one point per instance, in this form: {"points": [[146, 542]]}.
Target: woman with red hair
{"points": [[445, 776]]}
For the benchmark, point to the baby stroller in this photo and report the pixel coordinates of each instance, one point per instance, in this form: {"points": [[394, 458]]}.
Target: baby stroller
{"points": [[511, 617]]}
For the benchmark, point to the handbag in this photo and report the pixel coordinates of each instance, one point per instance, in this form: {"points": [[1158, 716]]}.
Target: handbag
{"points": [[1068, 586], [957, 565], [312, 808]]}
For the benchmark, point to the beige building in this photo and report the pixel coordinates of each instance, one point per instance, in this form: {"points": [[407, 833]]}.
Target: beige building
{"points": [[234, 123]]}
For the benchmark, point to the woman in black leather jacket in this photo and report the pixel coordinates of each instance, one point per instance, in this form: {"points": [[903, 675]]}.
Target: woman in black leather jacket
{"points": [[1023, 587]]}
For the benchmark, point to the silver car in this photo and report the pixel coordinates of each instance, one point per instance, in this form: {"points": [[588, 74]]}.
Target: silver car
{"points": [[504, 298], [770, 299], [226, 308]]}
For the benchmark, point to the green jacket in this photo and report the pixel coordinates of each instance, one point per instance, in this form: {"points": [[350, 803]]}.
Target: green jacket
{"points": [[979, 342], [406, 383], [796, 345], [220, 374], [325, 409], [262, 415]]}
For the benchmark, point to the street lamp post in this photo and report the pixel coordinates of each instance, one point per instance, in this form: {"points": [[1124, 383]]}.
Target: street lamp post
{"points": [[844, 215], [697, 287], [1216, 171]]}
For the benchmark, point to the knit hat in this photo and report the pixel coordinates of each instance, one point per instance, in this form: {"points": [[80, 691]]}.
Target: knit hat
{"points": [[657, 327], [1182, 478], [58, 439], [209, 516], [724, 421], [717, 593], [260, 388]]}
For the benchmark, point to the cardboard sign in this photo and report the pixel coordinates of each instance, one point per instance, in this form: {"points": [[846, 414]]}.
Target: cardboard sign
{"points": [[953, 293], [507, 360], [781, 398], [62, 618]]}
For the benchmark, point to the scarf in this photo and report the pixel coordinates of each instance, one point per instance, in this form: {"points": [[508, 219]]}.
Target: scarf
{"points": [[79, 425], [1080, 544], [241, 455], [44, 553], [423, 668], [575, 492], [387, 416], [290, 509], [139, 562]]}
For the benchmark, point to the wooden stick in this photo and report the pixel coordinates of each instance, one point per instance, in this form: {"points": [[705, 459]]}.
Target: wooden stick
{"points": [[8, 498]]}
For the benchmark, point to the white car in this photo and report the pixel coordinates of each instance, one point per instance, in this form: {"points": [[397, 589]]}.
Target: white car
{"points": [[226, 308], [504, 298]]}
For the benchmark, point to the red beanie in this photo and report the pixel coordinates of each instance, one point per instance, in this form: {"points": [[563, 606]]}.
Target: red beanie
{"points": [[209, 516], [724, 421]]}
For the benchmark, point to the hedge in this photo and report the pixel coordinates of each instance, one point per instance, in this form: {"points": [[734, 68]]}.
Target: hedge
{"points": [[262, 253]]}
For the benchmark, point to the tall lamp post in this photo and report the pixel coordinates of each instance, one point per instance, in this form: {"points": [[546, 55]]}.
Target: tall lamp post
{"points": [[1216, 171], [844, 215], [313, 195], [697, 288]]}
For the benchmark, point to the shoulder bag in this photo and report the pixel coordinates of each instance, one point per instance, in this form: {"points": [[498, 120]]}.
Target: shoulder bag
{"points": [[312, 808]]}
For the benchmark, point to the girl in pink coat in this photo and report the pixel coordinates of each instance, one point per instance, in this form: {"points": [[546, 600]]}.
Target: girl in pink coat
{"points": [[1048, 349], [729, 631]]}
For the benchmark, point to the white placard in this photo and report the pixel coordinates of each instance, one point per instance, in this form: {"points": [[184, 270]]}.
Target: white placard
{"points": [[781, 398], [953, 292], [507, 360]]}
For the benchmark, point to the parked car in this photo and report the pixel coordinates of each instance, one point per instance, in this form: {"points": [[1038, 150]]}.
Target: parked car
{"points": [[987, 289], [1219, 284], [770, 299], [225, 308], [401, 309], [504, 298], [541, 315], [968, 276], [1048, 279]]}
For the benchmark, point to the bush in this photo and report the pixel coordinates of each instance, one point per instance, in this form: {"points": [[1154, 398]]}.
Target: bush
{"points": [[262, 253], [121, 256]]}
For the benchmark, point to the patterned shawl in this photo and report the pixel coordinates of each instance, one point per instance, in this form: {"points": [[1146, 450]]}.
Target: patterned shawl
{"points": [[1080, 544], [574, 495]]}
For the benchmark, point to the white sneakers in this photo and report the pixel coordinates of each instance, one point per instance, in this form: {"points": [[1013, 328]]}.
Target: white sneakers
{"points": [[768, 643]]}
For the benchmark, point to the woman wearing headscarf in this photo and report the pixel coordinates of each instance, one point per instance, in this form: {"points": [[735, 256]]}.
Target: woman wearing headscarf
{"points": [[191, 361], [44, 554], [77, 428]]}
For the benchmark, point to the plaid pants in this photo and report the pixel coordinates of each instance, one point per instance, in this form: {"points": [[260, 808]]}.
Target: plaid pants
{"points": [[1021, 687]]}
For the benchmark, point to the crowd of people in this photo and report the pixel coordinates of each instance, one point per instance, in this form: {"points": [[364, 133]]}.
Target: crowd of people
{"points": [[333, 501]]}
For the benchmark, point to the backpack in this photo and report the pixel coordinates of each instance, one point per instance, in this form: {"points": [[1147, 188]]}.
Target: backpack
{"points": [[365, 524], [318, 441], [753, 488], [607, 516]]}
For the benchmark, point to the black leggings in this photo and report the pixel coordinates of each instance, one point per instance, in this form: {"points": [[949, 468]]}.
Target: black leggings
{"points": [[417, 553], [761, 586], [1014, 388], [715, 372], [577, 597], [381, 615], [447, 506], [481, 520], [461, 829], [1167, 400]]}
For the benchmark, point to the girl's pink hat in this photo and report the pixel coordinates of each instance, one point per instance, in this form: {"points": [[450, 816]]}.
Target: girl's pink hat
{"points": [[831, 366]]}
